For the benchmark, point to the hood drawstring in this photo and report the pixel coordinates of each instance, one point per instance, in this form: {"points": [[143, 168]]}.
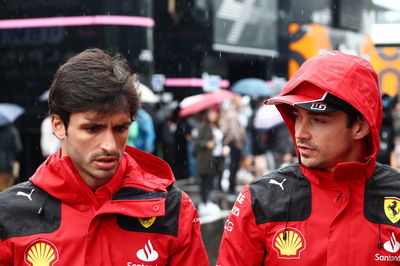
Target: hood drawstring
{"points": [[377, 213], [41, 210], [288, 209]]}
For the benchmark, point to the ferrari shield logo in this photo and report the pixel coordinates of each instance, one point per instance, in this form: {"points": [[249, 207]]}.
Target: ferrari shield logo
{"points": [[147, 222], [392, 209]]}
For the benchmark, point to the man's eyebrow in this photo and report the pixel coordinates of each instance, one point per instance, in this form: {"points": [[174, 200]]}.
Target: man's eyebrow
{"points": [[125, 124], [91, 124], [328, 114]]}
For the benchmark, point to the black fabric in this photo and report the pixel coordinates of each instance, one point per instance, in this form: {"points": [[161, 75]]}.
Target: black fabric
{"points": [[131, 193], [385, 182], [28, 210], [166, 225], [271, 195]]}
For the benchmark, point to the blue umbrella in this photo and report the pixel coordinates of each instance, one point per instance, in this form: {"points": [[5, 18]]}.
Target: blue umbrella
{"points": [[9, 112], [255, 87]]}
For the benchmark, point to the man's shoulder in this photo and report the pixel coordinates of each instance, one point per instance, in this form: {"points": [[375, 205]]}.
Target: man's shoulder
{"points": [[23, 202], [386, 175], [284, 194], [382, 196]]}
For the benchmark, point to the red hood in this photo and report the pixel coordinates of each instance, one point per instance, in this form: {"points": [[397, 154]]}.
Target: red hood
{"points": [[137, 169], [359, 79]]}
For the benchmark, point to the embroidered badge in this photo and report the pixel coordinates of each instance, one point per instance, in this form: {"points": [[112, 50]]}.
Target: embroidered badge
{"points": [[41, 252], [392, 209], [289, 246], [147, 222]]}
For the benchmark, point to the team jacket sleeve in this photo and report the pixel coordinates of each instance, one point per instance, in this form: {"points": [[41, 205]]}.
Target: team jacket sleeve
{"points": [[243, 242], [189, 248]]}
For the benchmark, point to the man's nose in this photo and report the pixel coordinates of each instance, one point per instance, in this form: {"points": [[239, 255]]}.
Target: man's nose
{"points": [[109, 143], [302, 130]]}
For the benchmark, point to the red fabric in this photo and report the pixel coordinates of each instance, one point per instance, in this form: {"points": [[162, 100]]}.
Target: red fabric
{"points": [[89, 233]]}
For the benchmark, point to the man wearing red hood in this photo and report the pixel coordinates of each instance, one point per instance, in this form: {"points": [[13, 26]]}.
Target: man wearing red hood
{"points": [[98, 201], [337, 206]]}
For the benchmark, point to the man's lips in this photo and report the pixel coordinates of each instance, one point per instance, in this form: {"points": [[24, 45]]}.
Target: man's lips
{"points": [[305, 149], [106, 163]]}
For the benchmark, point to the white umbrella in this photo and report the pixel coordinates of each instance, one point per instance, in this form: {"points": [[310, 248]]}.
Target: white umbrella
{"points": [[147, 95], [267, 117]]}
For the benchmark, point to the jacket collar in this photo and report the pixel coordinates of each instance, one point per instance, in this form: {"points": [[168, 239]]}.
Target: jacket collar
{"points": [[354, 172], [137, 169]]}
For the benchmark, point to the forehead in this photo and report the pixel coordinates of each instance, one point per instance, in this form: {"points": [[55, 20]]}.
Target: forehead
{"points": [[99, 117]]}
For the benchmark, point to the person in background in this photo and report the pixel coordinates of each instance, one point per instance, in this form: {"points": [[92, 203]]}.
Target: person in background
{"points": [[97, 201], [141, 132], [337, 206], [209, 151], [387, 133], [234, 137], [10, 147]]}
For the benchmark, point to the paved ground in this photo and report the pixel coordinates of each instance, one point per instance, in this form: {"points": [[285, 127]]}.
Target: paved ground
{"points": [[211, 226]]}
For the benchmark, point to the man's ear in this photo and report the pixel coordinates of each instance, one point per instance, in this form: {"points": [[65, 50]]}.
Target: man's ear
{"points": [[58, 127], [360, 129]]}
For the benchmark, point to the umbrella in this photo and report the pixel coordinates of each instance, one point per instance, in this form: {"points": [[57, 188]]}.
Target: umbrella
{"points": [[44, 96], [267, 117], [9, 112], [196, 103], [256, 87], [147, 95]]}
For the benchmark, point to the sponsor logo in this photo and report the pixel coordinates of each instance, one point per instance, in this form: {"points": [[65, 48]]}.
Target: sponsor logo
{"points": [[41, 253], [274, 182], [392, 209], [29, 196], [147, 254], [235, 211], [240, 198], [318, 106], [392, 245], [288, 247], [228, 226], [147, 222]]}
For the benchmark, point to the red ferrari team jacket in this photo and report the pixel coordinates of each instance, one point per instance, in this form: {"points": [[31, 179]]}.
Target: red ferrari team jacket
{"points": [[301, 216], [138, 218]]}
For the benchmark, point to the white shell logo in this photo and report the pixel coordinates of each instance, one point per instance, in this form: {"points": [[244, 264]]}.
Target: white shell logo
{"points": [[148, 253], [392, 245]]}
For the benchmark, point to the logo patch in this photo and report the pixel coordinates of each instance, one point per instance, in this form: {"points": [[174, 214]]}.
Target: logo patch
{"points": [[392, 209], [41, 253], [290, 247], [147, 222], [318, 106], [392, 245], [148, 253]]}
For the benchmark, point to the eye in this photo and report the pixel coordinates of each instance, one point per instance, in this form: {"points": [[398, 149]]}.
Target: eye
{"points": [[122, 129], [92, 129], [319, 120]]}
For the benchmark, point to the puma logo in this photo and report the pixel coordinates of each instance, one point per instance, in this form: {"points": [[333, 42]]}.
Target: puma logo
{"points": [[29, 196], [273, 181]]}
